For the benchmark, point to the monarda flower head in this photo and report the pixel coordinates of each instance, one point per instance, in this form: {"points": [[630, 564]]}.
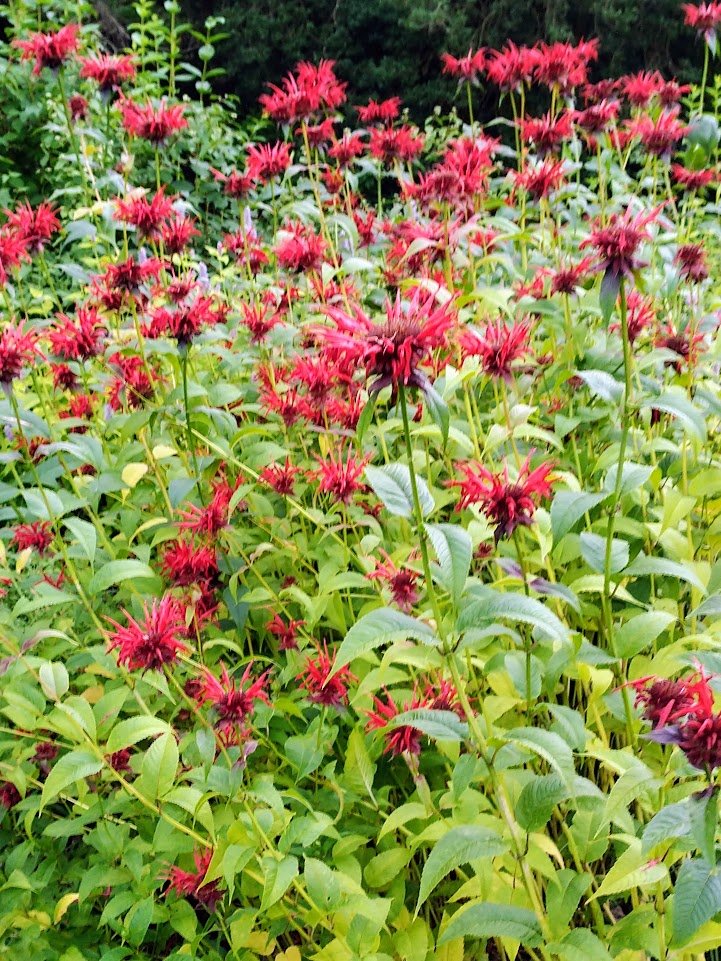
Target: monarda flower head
{"points": [[34, 226], [691, 262], [401, 740], [468, 68], [389, 144], [660, 136], [107, 70], [192, 884], [149, 644], [266, 162], [704, 18], [338, 477], [147, 216], [547, 133], [37, 536], [401, 582], [154, 124], [51, 49], [17, 348], [617, 244], [379, 112], [233, 702], [512, 67], [316, 680], [508, 504], [78, 339], [391, 351], [300, 249], [499, 346]]}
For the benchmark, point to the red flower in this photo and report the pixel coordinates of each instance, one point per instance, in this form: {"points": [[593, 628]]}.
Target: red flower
{"points": [[177, 233], [64, 378], [618, 242], [78, 107], [692, 180], [13, 250], [266, 162], [211, 519], [286, 633], [134, 381], [391, 351], [399, 740], [281, 477], [186, 563], [108, 70], [540, 180], [379, 112], [563, 66], [566, 279], [509, 504], [234, 184], [640, 314], [547, 133], [465, 68], [154, 124], [498, 346], [38, 535], [183, 321], [443, 697], [155, 641], [640, 88], [120, 761], [660, 136], [700, 740], [598, 117], [80, 340], [388, 144], [9, 795], [345, 150], [17, 348], [320, 687], [313, 87], [191, 884], [340, 478], [402, 583], [704, 18], [34, 227], [130, 275], [146, 217], [670, 92], [664, 701], [232, 703], [49, 49], [681, 342], [512, 67], [299, 248], [691, 261]]}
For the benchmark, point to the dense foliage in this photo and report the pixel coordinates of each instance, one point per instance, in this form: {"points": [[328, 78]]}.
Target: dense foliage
{"points": [[360, 506]]}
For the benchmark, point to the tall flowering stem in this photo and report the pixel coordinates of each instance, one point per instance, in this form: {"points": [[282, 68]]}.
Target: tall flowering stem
{"points": [[73, 138], [625, 428], [504, 806], [184, 350]]}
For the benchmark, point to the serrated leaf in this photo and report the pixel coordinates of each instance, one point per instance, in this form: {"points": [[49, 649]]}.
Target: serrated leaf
{"points": [[568, 508], [547, 745], [70, 768], [440, 725], [392, 485], [602, 384], [537, 800], [636, 635], [608, 295], [279, 875], [134, 729], [459, 846], [380, 627], [438, 409], [593, 549], [489, 920], [359, 769], [661, 567], [115, 572], [516, 607], [160, 765], [690, 417], [454, 548], [672, 821], [696, 898], [85, 534]]}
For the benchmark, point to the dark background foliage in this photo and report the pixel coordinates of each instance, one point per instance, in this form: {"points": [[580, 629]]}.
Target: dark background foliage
{"points": [[384, 47]]}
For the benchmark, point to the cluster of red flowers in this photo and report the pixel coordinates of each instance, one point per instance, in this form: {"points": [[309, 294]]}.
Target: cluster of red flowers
{"points": [[682, 713]]}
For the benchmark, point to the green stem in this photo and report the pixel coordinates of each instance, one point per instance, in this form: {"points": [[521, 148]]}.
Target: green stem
{"points": [[184, 351]]}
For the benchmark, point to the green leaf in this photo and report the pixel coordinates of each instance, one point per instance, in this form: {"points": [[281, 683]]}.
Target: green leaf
{"points": [[359, 769], [696, 899], [593, 549], [580, 943], [632, 784], [547, 745], [85, 534], [366, 416], [537, 800], [568, 508], [459, 846], [608, 295], [305, 753], [138, 920], [690, 417], [453, 547], [672, 821], [54, 678], [160, 765], [67, 770], [602, 384], [489, 920], [636, 635], [642, 566], [279, 875], [117, 571], [134, 729], [379, 627], [385, 867], [516, 607], [322, 884], [440, 725], [438, 409], [392, 485]]}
